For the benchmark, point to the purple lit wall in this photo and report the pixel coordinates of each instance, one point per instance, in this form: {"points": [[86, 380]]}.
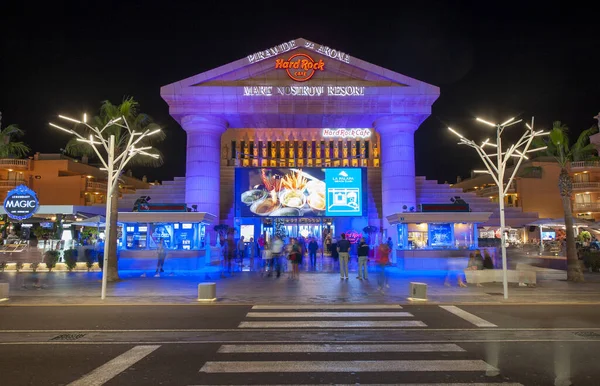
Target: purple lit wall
{"points": [[202, 186]]}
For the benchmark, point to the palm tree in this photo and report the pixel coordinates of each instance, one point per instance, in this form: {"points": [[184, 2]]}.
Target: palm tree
{"points": [[138, 122], [8, 147], [558, 147]]}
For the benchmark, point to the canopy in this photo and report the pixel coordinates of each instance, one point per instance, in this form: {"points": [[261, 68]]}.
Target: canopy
{"points": [[559, 222], [96, 221]]}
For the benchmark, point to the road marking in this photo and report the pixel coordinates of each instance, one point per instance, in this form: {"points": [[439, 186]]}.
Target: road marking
{"points": [[343, 366], [333, 324], [476, 320], [329, 315], [330, 307], [114, 367], [337, 348]]}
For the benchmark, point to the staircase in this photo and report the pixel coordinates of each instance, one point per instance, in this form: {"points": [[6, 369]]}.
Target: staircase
{"points": [[169, 192], [429, 191]]}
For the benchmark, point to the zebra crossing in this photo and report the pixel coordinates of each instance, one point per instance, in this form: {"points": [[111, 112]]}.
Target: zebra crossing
{"points": [[320, 317], [340, 363]]}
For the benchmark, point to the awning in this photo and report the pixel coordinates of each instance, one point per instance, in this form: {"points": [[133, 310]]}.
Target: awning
{"points": [[96, 221], [560, 222], [189, 217], [437, 217]]}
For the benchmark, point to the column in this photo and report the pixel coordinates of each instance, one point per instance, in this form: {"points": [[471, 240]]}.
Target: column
{"points": [[203, 170], [397, 153]]}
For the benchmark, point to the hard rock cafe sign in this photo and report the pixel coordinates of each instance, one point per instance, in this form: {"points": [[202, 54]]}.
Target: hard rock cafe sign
{"points": [[300, 67]]}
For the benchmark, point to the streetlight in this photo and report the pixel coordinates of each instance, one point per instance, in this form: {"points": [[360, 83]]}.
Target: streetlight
{"points": [[113, 166], [497, 169]]}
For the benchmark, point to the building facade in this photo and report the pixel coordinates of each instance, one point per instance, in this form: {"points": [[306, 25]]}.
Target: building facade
{"points": [[279, 137]]}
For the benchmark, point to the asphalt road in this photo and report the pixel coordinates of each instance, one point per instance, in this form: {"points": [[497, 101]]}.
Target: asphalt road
{"points": [[277, 345]]}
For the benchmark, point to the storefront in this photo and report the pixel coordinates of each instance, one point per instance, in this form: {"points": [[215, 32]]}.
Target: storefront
{"points": [[182, 233]]}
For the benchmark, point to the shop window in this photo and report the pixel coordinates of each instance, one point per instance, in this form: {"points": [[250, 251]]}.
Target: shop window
{"points": [[418, 236], [136, 236], [463, 236], [441, 235]]}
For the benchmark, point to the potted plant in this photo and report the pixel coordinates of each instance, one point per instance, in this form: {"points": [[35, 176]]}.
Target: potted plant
{"points": [[51, 258], [19, 266], [70, 258], [34, 266], [2, 266]]}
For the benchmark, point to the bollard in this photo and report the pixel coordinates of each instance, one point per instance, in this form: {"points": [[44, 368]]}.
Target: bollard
{"points": [[4, 287], [418, 291], [207, 292]]}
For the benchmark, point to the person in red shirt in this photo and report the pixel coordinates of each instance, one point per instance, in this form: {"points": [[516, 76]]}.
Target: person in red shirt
{"points": [[383, 259]]}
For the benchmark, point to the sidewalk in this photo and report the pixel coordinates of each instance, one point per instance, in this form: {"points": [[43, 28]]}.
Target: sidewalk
{"points": [[81, 288]]}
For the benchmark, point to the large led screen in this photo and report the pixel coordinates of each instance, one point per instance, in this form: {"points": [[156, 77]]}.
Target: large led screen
{"points": [[300, 192]]}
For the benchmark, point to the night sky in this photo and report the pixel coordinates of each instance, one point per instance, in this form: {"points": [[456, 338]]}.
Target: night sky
{"points": [[494, 62]]}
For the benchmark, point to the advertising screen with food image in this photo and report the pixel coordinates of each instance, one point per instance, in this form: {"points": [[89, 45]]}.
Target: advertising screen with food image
{"points": [[300, 192]]}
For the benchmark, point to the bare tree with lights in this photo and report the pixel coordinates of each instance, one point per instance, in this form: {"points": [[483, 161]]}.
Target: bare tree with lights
{"points": [[496, 165], [103, 142]]}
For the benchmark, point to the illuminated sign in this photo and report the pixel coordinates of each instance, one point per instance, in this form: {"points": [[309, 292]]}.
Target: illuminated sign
{"points": [[21, 203], [344, 197], [288, 46], [300, 67], [304, 91], [346, 133], [300, 192]]}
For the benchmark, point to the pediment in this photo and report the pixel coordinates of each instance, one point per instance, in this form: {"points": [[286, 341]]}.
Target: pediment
{"points": [[259, 68]]}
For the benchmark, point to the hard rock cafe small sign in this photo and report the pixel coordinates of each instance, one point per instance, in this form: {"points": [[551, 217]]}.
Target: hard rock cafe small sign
{"points": [[300, 67], [346, 133]]}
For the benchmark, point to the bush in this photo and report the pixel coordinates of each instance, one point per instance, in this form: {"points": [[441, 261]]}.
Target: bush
{"points": [[591, 260], [19, 266], [89, 258], [2, 266], [51, 258], [70, 257], [34, 266]]}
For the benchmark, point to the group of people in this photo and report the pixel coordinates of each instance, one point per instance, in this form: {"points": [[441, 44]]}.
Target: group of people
{"points": [[476, 262]]}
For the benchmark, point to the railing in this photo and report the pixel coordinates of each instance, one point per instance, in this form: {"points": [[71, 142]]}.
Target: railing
{"points": [[96, 186], [10, 184], [10, 163], [585, 164], [493, 190], [586, 207], [586, 185]]}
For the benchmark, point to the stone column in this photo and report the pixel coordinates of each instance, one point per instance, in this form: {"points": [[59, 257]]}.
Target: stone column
{"points": [[203, 162], [397, 152]]}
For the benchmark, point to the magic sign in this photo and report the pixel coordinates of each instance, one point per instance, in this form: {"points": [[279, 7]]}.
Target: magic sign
{"points": [[21, 203]]}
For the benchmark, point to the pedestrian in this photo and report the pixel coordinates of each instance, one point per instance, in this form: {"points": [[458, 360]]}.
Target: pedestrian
{"points": [[252, 246], [363, 257], [162, 254], [390, 243], [294, 257], [313, 246], [343, 248], [276, 250], [267, 258], [383, 259], [241, 250]]}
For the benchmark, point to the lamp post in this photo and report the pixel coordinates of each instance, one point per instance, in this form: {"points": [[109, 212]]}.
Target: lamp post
{"points": [[113, 165], [497, 169]]}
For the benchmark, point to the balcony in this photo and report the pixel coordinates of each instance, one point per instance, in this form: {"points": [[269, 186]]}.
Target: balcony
{"points": [[492, 191], [92, 186], [10, 184], [586, 207], [586, 185], [583, 165], [15, 164]]}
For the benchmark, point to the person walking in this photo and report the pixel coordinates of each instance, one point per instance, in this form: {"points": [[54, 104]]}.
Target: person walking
{"points": [[267, 258], [313, 246], [276, 250], [252, 252], [241, 250], [162, 254], [383, 259], [363, 256], [343, 249], [295, 256]]}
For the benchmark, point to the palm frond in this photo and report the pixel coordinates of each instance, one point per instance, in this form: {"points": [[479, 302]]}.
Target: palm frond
{"points": [[582, 144], [12, 130], [14, 150]]}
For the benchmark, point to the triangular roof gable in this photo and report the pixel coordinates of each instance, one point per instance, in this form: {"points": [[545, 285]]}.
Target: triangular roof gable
{"points": [[258, 62]]}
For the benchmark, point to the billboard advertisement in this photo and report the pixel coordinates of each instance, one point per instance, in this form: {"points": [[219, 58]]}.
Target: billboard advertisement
{"points": [[300, 192]]}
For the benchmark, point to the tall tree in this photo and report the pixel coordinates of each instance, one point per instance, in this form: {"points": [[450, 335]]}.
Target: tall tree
{"points": [[559, 148], [138, 122], [9, 148]]}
